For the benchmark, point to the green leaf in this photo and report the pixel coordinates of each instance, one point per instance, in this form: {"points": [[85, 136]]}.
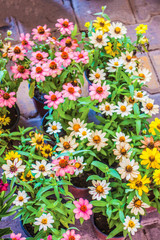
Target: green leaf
{"points": [[103, 167], [131, 89], [115, 231], [114, 173], [138, 126], [5, 231], [98, 203], [121, 215], [31, 89]]}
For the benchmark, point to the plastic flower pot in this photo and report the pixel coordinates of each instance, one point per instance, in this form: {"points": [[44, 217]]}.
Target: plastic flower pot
{"points": [[24, 229], [151, 209], [85, 75], [100, 235], [14, 114], [79, 192]]}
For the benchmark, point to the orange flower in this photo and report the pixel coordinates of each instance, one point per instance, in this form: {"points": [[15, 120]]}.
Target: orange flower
{"points": [[150, 143]]}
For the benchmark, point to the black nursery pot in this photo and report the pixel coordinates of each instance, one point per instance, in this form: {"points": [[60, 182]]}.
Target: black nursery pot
{"points": [[86, 73], [14, 115], [26, 231]]}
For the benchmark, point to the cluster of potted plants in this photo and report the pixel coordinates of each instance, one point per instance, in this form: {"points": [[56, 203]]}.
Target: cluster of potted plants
{"points": [[97, 156]]}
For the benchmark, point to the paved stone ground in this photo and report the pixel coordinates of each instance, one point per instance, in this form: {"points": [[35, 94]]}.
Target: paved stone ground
{"points": [[22, 15]]}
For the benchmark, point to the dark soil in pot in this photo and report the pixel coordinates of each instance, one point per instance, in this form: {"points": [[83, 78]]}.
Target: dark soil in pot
{"points": [[14, 115], [81, 180], [39, 102], [101, 223], [39, 95]]}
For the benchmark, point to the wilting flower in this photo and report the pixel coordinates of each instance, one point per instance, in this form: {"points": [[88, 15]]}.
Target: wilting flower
{"points": [[149, 142], [83, 209], [44, 221], [131, 224]]}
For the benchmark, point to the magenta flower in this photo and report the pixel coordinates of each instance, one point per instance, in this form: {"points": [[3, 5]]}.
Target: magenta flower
{"points": [[99, 92], [25, 41], [13, 236], [39, 57], [20, 72], [39, 72], [41, 33], [54, 99], [64, 26], [53, 68], [16, 52], [7, 99], [68, 44], [3, 186], [70, 235], [83, 209], [70, 91], [81, 57], [63, 166], [64, 58]]}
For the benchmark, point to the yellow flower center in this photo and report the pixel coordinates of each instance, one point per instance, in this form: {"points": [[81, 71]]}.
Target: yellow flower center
{"points": [[41, 30], [116, 63], [128, 58], [42, 168], [123, 108], [138, 203], [131, 224], [122, 139], [96, 139], [123, 151], [149, 106], [63, 163], [64, 55], [54, 127], [78, 165], [44, 221], [66, 145], [117, 30], [76, 127], [97, 75], [99, 38], [142, 76], [99, 189], [130, 67], [53, 65], [129, 168], [107, 108], [68, 43], [65, 24], [131, 100], [152, 158], [139, 95], [84, 133], [20, 199]]}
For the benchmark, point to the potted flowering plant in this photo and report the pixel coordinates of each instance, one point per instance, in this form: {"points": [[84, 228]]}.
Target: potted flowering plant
{"points": [[9, 111]]}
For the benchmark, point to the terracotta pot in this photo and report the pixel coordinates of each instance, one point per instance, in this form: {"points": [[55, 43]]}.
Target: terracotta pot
{"points": [[151, 209], [79, 192], [100, 235]]}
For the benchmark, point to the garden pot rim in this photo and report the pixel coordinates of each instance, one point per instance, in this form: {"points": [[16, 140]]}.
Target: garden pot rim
{"points": [[25, 230], [85, 74]]}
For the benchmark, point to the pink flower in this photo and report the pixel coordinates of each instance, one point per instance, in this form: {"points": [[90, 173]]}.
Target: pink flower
{"points": [[52, 41], [13, 236], [38, 57], [3, 186], [64, 26], [41, 33], [16, 52], [64, 58], [68, 44], [70, 91], [83, 209], [53, 68], [39, 72], [54, 99], [20, 72], [48, 238], [99, 92], [81, 57], [7, 99], [70, 235], [63, 166], [25, 42]]}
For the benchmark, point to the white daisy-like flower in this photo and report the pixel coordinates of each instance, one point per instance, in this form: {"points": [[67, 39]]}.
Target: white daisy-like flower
{"points": [[130, 100], [149, 107], [98, 39], [140, 95], [66, 144], [128, 169], [131, 224], [117, 30], [84, 133], [122, 151], [113, 64], [44, 221], [75, 126], [97, 76], [79, 165], [107, 108], [130, 67], [42, 167], [99, 190], [12, 169], [21, 198], [123, 108], [136, 206], [144, 75], [98, 140], [127, 57], [121, 137], [54, 127]]}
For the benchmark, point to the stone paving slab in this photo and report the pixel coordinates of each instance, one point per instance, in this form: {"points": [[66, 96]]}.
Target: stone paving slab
{"points": [[155, 58], [145, 9], [116, 9], [9, 23]]}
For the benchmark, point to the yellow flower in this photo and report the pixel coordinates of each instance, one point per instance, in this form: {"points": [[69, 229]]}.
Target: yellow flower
{"points": [[109, 49], [139, 184], [154, 125], [143, 40], [141, 29], [5, 120], [37, 140], [101, 24], [46, 150], [12, 156], [87, 24], [156, 176], [27, 177], [151, 157]]}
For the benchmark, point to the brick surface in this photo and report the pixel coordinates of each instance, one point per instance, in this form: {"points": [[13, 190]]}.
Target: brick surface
{"points": [[145, 9], [117, 11], [153, 32], [155, 58]]}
